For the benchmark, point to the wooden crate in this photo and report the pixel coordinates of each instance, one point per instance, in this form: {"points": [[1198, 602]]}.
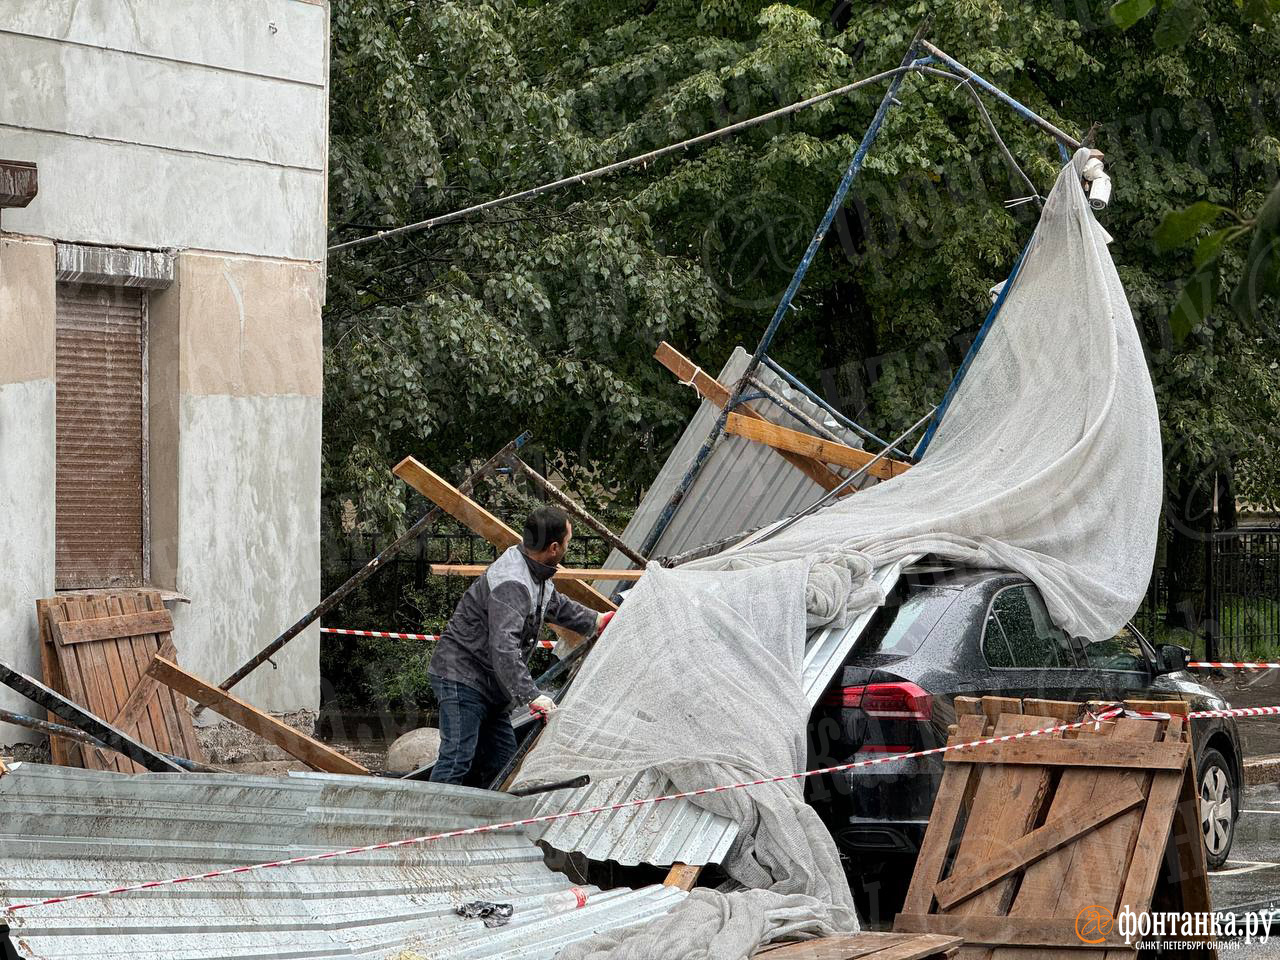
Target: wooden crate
{"points": [[1033, 843], [866, 946], [95, 648]]}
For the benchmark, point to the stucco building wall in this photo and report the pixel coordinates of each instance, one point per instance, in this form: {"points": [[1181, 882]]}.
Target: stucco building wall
{"points": [[199, 129]]}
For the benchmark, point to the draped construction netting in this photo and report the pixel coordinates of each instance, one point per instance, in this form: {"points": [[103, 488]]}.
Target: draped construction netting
{"points": [[1047, 462]]}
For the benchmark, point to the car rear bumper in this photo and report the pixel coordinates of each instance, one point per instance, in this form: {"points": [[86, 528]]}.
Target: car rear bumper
{"points": [[880, 809]]}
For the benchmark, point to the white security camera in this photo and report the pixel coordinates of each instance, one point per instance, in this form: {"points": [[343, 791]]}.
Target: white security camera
{"points": [[1098, 184]]}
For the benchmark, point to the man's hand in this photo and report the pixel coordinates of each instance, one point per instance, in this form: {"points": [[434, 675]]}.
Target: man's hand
{"points": [[602, 621], [543, 707]]}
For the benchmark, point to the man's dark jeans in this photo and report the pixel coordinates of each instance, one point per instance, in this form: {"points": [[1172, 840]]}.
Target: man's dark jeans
{"points": [[476, 737]]}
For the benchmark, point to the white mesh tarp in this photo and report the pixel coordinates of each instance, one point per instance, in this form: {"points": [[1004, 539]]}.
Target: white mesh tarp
{"points": [[1048, 463]]}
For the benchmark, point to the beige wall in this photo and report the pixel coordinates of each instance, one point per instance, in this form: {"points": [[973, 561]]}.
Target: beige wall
{"points": [[26, 455], [236, 370], [252, 326], [26, 309]]}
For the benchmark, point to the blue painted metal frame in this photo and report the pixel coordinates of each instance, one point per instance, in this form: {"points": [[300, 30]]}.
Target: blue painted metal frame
{"points": [[804, 388], [923, 445], [784, 304], [1027, 113], [855, 166]]}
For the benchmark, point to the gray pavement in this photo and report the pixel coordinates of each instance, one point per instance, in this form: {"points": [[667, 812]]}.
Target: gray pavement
{"points": [[1250, 880]]}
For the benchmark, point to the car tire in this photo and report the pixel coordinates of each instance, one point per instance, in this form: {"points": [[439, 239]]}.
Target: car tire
{"points": [[1218, 802]]}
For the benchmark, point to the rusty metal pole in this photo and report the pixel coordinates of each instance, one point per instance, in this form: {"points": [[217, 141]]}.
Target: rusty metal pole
{"points": [[368, 570], [575, 508]]}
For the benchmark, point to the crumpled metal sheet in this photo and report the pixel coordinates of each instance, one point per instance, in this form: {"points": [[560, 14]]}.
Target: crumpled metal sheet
{"points": [[742, 485], [65, 830]]}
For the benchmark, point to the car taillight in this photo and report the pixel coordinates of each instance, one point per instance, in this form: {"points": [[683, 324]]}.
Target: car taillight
{"points": [[903, 700], [843, 697]]}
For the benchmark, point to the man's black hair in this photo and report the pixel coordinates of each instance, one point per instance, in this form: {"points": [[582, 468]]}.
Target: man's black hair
{"points": [[543, 527]]}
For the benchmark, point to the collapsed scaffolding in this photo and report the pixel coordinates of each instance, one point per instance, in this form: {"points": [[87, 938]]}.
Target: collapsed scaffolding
{"points": [[827, 460]]}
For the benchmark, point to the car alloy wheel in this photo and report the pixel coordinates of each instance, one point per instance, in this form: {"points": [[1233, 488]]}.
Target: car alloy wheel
{"points": [[1217, 808]]}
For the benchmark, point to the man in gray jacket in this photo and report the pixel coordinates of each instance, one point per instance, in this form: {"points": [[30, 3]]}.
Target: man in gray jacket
{"points": [[479, 670]]}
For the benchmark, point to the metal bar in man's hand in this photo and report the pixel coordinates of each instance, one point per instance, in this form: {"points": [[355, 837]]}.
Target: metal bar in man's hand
{"points": [[368, 570], [576, 509], [570, 784], [82, 719]]}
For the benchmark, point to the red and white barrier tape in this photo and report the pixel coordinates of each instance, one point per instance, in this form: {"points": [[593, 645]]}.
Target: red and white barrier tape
{"points": [[1228, 665], [545, 644], [548, 818]]}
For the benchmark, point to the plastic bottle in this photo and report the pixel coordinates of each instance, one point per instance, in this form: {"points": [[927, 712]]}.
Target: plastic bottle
{"points": [[562, 901]]}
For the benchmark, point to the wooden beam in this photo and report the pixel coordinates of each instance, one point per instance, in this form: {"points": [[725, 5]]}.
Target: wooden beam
{"points": [[682, 875], [466, 511], [1109, 752], [709, 388], [112, 628], [295, 743], [561, 575], [142, 691], [806, 444], [1037, 844], [1043, 932]]}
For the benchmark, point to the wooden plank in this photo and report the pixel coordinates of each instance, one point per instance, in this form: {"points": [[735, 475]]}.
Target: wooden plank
{"points": [[682, 875], [993, 707], [1005, 807], [142, 692], [1188, 840], [297, 744], [465, 510], [1044, 933], [807, 445], [968, 705], [867, 945], [1090, 871], [561, 575], [711, 389], [1063, 711], [63, 753], [114, 626], [1178, 708], [947, 808], [1039, 843], [162, 707], [123, 674], [1153, 836], [91, 660], [1104, 752]]}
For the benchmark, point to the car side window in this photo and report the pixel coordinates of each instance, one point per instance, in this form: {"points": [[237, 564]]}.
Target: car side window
{"points": [[1121, 652], [1019, 632]]}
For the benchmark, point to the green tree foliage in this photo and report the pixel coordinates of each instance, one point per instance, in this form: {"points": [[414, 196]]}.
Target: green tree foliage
{"points": [[544, 314]]}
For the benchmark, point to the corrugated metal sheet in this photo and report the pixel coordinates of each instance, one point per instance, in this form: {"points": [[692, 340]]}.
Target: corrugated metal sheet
{"points": [[742, 485], [676, 831], [65, 830], [100, 437]]}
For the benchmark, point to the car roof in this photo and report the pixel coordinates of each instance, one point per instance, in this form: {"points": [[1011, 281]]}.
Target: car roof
{"points": [[934, 573]]}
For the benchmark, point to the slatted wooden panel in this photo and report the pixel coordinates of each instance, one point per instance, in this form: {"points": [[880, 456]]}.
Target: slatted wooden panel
{"points": [[100, 429], [108, 675], [866, 946], [1016, 850]]}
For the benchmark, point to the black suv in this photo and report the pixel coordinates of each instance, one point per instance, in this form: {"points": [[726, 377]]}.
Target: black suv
{"points": [[950, 631]]}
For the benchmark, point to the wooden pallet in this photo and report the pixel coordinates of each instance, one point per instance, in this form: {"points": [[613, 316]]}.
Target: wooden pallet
{"points": [[867, 946], [1031, 838], [95, 649]]}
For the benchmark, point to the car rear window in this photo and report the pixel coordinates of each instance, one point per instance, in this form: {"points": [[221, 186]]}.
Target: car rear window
{"points": [[900, 626]]}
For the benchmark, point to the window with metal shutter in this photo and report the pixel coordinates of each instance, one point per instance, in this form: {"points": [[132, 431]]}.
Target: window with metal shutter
{"points": [[101, 437]]}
